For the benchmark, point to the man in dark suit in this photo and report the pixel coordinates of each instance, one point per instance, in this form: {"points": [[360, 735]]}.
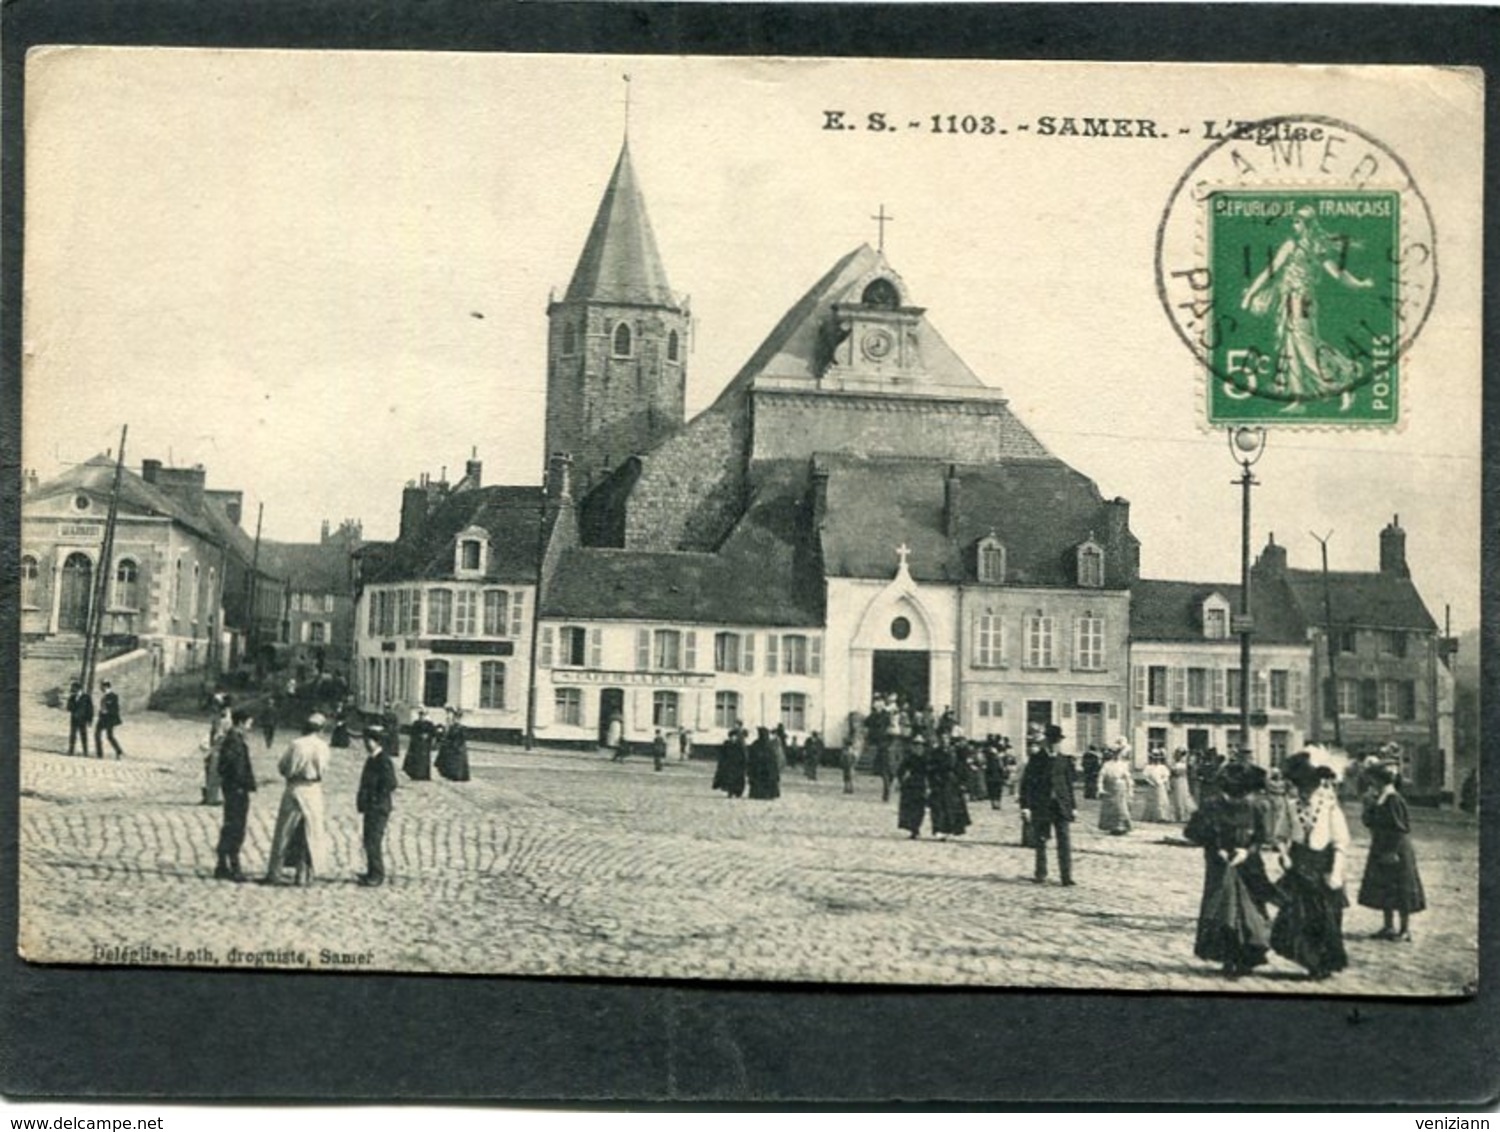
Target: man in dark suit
{"points": [[377, 782], [109, 719], [237, 782], [80, 715], [1047, 788]]}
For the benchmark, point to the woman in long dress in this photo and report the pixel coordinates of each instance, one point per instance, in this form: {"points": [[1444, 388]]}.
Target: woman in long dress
{"points": [[947, 769], [912, 776], [418, 762], [729, 774], [1232, 925], [1391, 882], [764, 773], [1116, 786], [1181, 797], [299, 840], [453, 760], [1158, 778], [1309, 929]]}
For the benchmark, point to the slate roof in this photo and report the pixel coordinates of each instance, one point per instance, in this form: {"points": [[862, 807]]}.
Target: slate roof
{"points": [[211, 521], [764, 573], [511, 515], [318, 567], [620, 263], [1170, 611], [1373, 599], [1039, 509], [793, 351]]}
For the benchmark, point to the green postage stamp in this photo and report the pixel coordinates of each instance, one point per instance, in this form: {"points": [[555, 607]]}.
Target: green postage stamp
{"points": [[1306, 289], [1297, 260]]}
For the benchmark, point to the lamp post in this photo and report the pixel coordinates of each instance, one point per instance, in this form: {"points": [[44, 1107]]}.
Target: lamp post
{"points": [[1246, 445]]}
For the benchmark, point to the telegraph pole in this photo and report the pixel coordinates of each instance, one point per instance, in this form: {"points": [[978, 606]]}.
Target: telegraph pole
{"points": [[95, 621], [1328, 645], [1246, 445]]}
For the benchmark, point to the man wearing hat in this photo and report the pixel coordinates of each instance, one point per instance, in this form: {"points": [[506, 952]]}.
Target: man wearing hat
{"points": [[80, 715], [377, 783], [1047, 801]]}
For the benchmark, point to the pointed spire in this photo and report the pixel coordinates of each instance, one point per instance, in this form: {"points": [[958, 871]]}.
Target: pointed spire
{"points": [[620, 263]]}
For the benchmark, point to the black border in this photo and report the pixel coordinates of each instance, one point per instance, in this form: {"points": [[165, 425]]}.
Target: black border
{"points": [[194, 1035]]}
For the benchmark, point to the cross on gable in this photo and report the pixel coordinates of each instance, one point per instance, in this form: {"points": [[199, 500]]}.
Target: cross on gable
{"points": [[881, 218], [902, 553]]}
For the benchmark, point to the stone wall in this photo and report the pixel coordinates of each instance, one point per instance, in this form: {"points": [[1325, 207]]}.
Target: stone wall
{"points": [[798, 425], [692, 487]]}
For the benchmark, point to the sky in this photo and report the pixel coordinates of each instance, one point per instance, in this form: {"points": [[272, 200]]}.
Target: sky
{"points": [[321, 275]]}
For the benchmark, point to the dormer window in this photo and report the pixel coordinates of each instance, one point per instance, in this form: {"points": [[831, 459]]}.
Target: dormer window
{"points": [[1091, 565], [621, 342], [991, 561], [470, 551], [1215, 618], [881, 294]]}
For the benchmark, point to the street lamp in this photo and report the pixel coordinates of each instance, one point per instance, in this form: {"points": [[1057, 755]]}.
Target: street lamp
{"points": [[1246, 445]]}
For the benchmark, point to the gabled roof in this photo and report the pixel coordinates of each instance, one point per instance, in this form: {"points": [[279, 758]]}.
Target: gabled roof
{"points": [[1171, 611], [210, 520], [763, 574], [96, 477], [1385, 601], [511, 515], [793, 352], [620, 263], [1041, 511]]}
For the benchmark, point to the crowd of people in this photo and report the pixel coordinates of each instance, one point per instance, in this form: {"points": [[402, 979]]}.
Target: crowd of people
{"points": [[1275, 843]]}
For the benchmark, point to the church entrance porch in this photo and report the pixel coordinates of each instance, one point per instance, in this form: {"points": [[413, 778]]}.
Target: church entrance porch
{"points": [[902, 673]]}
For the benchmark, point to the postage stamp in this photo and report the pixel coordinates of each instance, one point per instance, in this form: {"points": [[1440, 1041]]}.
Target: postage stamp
{"points": [[1305, 267]]}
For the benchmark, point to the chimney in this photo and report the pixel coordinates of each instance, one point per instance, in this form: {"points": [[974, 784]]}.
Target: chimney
{"points": [[473, 469], [1119, 549], [413, 510], [560, 478], [150, 469], [1393, 549], [1272, 561], [951, 487], [185, 484], [323, 536], [819, 478]]}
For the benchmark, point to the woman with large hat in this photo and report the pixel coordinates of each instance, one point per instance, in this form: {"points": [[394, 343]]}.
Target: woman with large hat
{"points": [[1232, 926], [1391, 882], [1116, 785], [1309, 929]]}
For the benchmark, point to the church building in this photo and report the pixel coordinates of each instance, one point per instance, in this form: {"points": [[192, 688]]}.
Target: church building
{"points": [[855, 514]]}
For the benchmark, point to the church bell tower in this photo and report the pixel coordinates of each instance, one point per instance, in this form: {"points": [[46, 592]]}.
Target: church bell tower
{"points": [[617, 341]]}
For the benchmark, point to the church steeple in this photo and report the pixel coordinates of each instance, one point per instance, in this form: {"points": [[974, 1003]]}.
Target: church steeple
{"points": [[620, 263], [617, 341]]}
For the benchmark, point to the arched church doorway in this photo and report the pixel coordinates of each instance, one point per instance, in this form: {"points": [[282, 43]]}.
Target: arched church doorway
{"points": [[903, 673]]}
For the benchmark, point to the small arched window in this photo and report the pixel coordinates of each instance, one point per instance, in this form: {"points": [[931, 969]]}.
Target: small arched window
{"points": [[621, 341], [1091, 565], [569, 340], [29, 576], [882, 294], [991, 561], [194, 595], [127, 584], [673, 346]]}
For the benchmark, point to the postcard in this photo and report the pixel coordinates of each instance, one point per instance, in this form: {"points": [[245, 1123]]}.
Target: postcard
{"points": [[962, 523]]}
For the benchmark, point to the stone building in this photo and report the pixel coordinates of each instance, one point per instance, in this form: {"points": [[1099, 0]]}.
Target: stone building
{"points": [[184, 586], [1391, 679], [444, 614], [1185, 670], [318, 628]]}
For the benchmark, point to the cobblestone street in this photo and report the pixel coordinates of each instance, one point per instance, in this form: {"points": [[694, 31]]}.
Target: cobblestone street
{"points": [[562, 863]]}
